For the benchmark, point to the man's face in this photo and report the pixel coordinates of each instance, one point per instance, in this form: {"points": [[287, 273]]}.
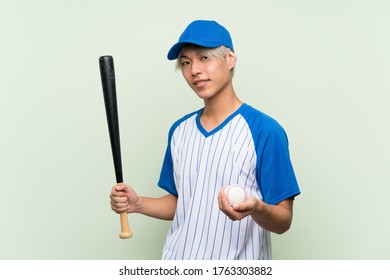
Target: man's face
{"points": [[208, 76]]}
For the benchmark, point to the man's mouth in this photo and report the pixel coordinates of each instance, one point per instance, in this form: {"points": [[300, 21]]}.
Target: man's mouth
{"points": [[200, 83]]}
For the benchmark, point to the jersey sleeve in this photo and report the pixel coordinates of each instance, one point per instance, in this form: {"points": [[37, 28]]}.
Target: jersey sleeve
{"points": [[275, 173], [166, 180]]}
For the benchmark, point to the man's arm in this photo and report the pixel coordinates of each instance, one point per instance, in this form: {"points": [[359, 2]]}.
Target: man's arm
{"points": [[124, 198], [161, 208]]}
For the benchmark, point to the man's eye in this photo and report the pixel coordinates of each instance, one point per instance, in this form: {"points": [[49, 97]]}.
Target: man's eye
{"points": [[204, 57], [185, 63]]}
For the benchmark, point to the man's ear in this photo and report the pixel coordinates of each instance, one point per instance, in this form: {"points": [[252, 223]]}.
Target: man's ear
{"points": [[231, 58]]}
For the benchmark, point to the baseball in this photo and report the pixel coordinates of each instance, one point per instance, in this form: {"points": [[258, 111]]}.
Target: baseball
{"points": [[235, 194]]}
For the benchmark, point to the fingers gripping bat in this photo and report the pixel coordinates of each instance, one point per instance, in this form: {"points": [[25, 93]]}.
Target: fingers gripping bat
{"points": [[107, 74]]}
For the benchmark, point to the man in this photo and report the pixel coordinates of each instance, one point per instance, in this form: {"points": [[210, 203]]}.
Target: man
{"points": [[226, 142]]}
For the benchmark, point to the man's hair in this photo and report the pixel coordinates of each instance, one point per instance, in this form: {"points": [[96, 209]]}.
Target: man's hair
{"points": [[219, 52]]}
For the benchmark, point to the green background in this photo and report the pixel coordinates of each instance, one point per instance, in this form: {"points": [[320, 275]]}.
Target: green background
{"points": [[321, 68]]}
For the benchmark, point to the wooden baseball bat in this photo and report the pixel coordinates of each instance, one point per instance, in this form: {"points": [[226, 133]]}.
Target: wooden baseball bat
{"points": [[107, 74]]}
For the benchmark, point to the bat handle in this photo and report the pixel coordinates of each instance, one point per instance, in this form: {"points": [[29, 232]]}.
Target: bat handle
{"points": [[125, 230]]}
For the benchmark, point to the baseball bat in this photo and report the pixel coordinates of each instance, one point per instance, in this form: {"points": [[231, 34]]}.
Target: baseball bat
{"points": [[107, 74]]}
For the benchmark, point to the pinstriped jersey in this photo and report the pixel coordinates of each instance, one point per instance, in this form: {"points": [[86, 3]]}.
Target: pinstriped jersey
{"points": [[249, 149]]}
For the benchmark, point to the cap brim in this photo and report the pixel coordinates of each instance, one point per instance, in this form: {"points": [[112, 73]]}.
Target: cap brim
{"points": [[175, 50]]}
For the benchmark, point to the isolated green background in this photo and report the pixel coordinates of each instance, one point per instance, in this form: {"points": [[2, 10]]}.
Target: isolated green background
{"points": [[321, 68]]}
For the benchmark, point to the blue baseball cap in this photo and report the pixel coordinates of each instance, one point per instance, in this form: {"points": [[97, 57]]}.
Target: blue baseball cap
{"points": [[204, 33]]}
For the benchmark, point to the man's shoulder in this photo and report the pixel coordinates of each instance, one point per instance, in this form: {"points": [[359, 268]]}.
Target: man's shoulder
{"points": [[258, 119], [183, 119]]}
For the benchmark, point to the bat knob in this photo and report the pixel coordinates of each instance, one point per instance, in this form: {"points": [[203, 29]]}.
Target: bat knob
{"points": [[126, 235]]}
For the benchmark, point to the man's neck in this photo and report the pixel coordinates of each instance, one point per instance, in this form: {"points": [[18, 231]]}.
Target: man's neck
{"points": [[218, 110]]}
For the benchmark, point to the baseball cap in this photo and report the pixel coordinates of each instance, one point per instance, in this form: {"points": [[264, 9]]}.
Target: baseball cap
{"points": [[204, 33]]}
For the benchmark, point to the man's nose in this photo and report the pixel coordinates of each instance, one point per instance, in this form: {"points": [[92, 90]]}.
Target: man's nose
{"points": [[196, 68]]}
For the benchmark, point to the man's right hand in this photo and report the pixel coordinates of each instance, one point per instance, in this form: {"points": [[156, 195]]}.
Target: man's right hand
{"points": [[123, 198]]}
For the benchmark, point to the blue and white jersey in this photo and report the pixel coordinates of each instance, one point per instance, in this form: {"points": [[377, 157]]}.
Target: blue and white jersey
{"points": [[249, 149]]}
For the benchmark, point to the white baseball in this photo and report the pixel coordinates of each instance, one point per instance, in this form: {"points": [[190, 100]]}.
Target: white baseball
{"points": [[235, 194]]}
